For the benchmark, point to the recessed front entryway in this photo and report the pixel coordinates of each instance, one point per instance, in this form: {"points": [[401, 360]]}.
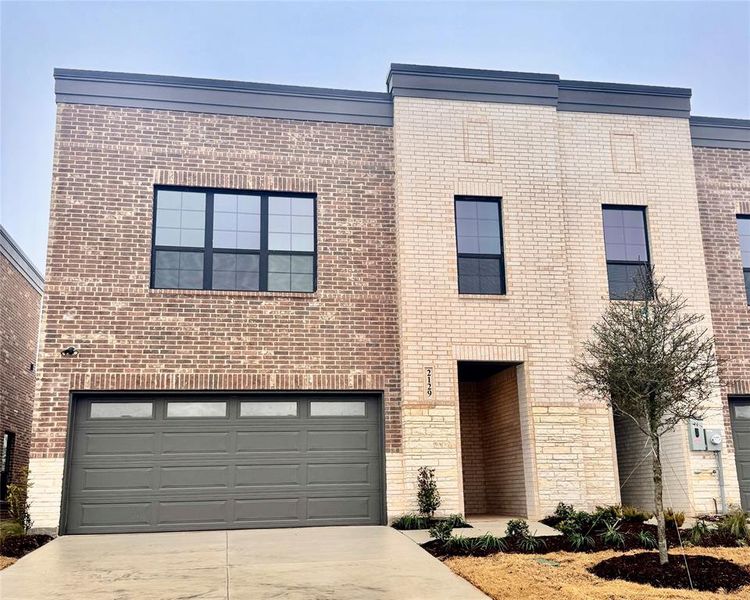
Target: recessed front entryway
{"points": [[491, 452], [172, 462]]}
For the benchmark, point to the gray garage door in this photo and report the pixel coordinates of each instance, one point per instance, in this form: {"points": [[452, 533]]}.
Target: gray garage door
{"points": [[167, 463], [740, 412]]}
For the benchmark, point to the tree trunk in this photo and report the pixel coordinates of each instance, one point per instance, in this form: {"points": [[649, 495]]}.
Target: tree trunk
{"points": [[661, 529]]}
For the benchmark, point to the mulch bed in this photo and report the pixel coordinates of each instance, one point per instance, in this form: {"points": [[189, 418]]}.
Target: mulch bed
{"points": [[16, 546], [707, 574]]}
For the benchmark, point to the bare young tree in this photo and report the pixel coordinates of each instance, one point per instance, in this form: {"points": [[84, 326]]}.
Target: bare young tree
{"points": [[651, 360]]}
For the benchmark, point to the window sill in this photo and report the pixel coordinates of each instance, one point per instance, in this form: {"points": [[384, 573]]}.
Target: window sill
{"points": [[233, 293], [500, 297]]}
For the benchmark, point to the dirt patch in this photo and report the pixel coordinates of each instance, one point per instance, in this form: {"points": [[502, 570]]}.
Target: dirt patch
{"points": [[565, 576], [6, 561], [706, 573]]}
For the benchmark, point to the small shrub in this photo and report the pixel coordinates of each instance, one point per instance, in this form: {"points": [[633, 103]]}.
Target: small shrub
{"points": [[481, 545], [631, 514], [734, 524], [612, 536], [646, 539], [8, 528], [579, 522], [606, 515], [517, 528], [672, 516], [428, 496], [529, 543], [580, 542], [442, 530], [456, 520], [698, 532], [563, 511], [410, 521], [18, 503]]}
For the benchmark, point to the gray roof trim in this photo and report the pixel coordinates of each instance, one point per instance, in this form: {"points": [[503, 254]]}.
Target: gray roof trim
{"points": [[480, 85], [477, 85], [713, 132], [623, 98], [10, 250], [223, 97]]}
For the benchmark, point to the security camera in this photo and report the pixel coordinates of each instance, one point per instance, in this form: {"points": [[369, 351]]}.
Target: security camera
{"points": [[69, 351]]}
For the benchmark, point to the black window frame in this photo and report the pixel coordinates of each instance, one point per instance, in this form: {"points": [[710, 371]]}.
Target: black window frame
{"points": [[745, 270], [7, 464], [208, 250], [500, 257], [633, 263]]}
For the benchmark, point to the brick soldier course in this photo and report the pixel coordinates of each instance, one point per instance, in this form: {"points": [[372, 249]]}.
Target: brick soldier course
{"points": [[386, 315]]}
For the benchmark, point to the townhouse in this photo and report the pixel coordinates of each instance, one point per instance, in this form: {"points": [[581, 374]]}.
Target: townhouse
{"points": [[267, 306], [22, 287]]}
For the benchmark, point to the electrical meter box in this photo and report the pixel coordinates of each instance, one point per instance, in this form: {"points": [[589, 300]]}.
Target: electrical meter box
{"points": [[697, 439], [713, 440]]}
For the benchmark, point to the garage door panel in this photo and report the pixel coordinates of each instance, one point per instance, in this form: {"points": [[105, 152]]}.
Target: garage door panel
{"points": [[269, 441], [194, 477], [110, 479], [121, 443], [198, 472], [269, 511], [350, 440], [118, 514], [268, 475], [196, 442]]}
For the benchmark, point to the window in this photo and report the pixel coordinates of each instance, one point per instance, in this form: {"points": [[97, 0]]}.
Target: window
{"points": [[121, 410], [626, 247], [268, 409], [743, 224], [337, 409], [6, 462], [223, 240], [196, 409], [481, 268]]}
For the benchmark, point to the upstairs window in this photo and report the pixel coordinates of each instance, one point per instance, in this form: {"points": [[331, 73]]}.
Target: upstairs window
{"points": [[481, 268], [626, 246], [743, 224], [227, 240]]}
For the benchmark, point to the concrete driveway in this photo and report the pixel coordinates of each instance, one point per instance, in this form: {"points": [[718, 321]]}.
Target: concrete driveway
{"points": [[308, 563]]}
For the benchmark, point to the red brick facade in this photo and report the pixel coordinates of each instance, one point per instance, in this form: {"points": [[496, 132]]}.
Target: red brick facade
{"points": [[343, 336], [723, 181], [19, 324]]}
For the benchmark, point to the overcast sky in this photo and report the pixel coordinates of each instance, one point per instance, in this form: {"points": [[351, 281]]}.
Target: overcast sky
{"points": [[701, 45]]}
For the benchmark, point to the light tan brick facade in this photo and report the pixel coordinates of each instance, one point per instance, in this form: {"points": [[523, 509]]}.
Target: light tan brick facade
{"points": [[553, 170]]}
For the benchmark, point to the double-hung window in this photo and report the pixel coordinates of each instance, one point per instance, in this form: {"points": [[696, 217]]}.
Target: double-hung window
{"points": [[626, 246], [233, 240], [481, 268], [743, 225]]}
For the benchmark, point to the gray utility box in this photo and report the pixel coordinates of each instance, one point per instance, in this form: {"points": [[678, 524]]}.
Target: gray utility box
{"points": [[714, 439], [697, 439]]}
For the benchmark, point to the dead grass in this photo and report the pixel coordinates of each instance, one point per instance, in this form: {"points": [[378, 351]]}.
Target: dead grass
{"points": [[563, 576], [6, 561]]}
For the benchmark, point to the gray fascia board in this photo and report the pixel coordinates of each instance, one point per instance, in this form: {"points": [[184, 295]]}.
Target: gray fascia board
{"points": [[417, 81], [621, 98], [22, 263], [712, 132], [451, 83], [223, 97]]}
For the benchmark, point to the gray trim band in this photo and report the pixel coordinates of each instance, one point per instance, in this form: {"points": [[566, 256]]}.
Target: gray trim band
{"points": [[22, 263], [223, 97], [711, 132], [537, 89]]}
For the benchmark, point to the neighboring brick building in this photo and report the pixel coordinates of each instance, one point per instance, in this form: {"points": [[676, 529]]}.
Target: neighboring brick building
{"points": [[21, 288], [721, 150], [281, 301]]}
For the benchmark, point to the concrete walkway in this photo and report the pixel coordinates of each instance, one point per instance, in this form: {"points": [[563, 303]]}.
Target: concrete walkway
{"points": [[352, 563]]}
